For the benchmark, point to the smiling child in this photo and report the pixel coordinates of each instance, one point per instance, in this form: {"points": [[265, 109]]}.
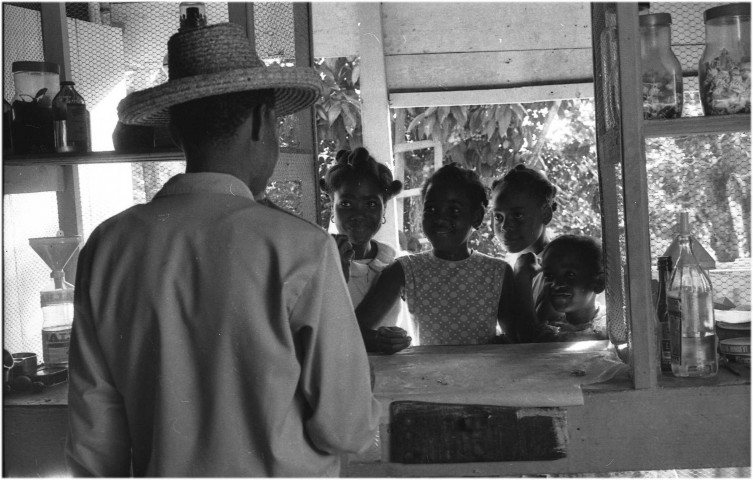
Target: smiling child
{"points": [[573, 276], [359, 188], [456, 296]]}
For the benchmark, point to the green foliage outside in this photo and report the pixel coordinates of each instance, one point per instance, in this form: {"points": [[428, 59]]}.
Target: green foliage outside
{"points": [[709, 175]]}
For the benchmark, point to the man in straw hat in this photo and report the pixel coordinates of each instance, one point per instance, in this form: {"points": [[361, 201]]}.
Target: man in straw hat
{"points": [[214, 336]]}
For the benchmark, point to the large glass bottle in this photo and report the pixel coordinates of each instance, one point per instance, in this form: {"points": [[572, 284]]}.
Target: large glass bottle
{"points": [[71, 120], [691, 313], [664, 265], [724, 68], [661, 72]]}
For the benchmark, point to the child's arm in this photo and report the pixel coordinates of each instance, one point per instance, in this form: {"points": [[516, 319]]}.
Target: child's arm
{"points": [[381, 296], [373, 308]]}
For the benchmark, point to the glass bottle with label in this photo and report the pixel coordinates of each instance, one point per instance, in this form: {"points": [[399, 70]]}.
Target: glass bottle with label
{"points": [[71, 120], [724, 68], [664, 265], [691, 313], [57, 312], [661, 72]]}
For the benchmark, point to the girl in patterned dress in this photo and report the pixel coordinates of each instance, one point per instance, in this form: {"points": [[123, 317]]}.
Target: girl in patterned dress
{"points": [[360, 187], [456, 296]]}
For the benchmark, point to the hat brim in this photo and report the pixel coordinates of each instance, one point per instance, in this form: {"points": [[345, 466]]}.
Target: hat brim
{"points": [[294, 89]]}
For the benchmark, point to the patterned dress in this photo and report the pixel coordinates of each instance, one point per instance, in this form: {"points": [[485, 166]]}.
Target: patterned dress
{"points": [[454, 302]]}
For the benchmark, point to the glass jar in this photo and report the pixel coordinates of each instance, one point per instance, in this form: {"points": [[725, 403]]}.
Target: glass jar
{"points": [[36, 84], [661, 72], [724, 69]]}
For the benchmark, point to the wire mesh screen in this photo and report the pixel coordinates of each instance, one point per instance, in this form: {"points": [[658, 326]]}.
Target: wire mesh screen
{"points": [[22, 41], [709, 176], [606, 91], [274, 30], [25, 274]]}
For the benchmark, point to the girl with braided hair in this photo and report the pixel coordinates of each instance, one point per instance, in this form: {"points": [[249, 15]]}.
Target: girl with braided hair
{"points": [[360, 188]]}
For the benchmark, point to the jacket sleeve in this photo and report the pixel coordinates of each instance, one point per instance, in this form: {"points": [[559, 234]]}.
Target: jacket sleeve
{"points": [[98, 442], [335, 374]]}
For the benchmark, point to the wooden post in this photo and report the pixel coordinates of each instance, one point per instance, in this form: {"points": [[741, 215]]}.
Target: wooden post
{"points": [[56, 49], [375, 110], [640, 312], [242, 13]]}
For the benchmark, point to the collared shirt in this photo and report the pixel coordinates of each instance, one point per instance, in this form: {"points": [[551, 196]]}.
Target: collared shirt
{"points": [[207, 342]]}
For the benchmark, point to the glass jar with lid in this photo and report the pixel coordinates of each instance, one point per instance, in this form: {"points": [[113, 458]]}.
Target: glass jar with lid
{"points": [[661, 72], [36, 84], [724, 68]]}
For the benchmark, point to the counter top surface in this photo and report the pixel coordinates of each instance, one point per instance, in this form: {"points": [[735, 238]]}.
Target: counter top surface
{"points": [[545, 374]]}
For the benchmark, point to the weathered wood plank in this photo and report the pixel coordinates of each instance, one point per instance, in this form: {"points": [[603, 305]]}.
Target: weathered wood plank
{"points": [[33, 178], [670, 428], [335, 29], [489, 97], [455, 71], [451, 27]]}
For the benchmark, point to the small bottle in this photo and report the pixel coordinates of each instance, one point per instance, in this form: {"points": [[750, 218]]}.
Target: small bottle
{"points": [[661, 72], [57, 313], [71, 120], [192, 15], [664, 265], [691, 313], [724, 68]]}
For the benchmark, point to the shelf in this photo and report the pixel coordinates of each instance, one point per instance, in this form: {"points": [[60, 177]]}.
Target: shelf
{"points": [[161, 155], [677, 127]]}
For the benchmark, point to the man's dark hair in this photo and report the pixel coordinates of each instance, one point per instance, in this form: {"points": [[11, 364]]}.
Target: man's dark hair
{"points": [[528, 179], [460, 177], [357, 165], [216, 118]]}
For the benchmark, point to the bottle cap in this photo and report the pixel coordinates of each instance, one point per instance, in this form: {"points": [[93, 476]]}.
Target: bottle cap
{"points": [[730, 10], [664, 261], [655, 20]]}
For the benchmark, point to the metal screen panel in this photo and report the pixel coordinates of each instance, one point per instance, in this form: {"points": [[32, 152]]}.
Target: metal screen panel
{"points": [[22, 41]]}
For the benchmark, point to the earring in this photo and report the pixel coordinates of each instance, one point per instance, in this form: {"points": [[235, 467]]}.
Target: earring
{"points": [[332, 219], [384, 220]]}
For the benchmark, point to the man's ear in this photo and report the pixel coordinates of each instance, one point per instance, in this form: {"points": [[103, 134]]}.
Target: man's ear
{"points": [[599, 282], [548, 213]]}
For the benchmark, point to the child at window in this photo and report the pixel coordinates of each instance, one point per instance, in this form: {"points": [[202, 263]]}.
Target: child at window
{"points": [[573, 273], [523, 205], [360, 187], [455, 295]]}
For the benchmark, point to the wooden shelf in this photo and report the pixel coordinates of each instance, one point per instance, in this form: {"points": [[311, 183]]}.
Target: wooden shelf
{"points": [[161, 155], [677, 127]]}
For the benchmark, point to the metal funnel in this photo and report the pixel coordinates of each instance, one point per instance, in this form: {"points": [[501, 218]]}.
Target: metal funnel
{"points": [[56, 252]]}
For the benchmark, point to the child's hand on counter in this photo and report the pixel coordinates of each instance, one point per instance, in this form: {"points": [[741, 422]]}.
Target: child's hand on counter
{"points": [[385, 339]]}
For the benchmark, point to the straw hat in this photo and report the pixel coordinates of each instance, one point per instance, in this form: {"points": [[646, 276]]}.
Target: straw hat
{"points": [[214, 60]]}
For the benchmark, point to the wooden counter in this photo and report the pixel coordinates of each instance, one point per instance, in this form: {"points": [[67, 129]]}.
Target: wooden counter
{"points": [[685, 423]]}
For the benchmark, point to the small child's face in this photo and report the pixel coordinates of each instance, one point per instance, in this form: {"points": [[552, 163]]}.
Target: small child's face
{"points": [[358, 210], [519, 220], [570, 284], [448, 218]]}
